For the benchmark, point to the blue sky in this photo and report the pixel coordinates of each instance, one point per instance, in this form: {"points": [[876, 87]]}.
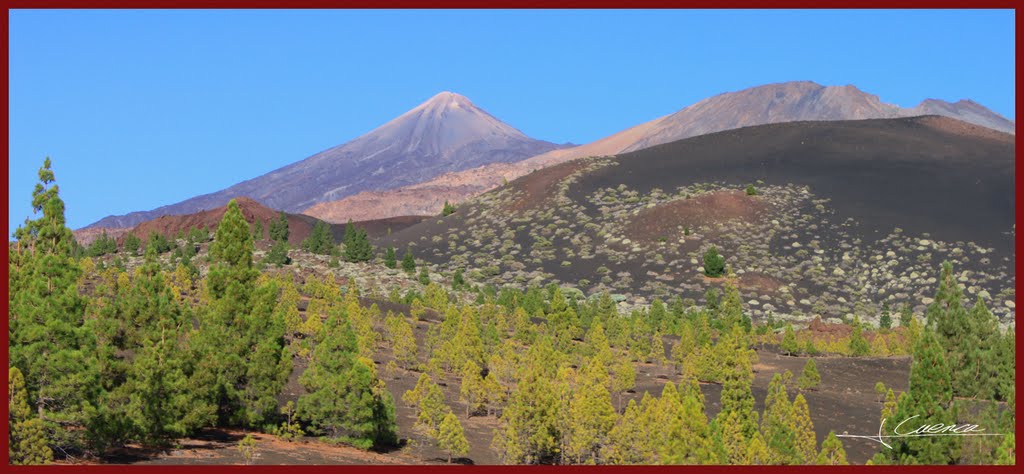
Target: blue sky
{"points": [[139, 109]]}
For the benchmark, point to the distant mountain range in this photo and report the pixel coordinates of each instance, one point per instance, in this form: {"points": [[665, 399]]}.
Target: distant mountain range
{"points": [[772, 103], [449, 149], [446, 133]]}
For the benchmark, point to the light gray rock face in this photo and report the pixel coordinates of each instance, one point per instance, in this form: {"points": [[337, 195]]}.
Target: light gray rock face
{"points": [[446, 133], [799, 101]]}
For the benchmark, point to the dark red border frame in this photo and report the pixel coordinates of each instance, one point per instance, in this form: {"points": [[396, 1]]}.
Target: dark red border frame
{"points": [[489, 4]]}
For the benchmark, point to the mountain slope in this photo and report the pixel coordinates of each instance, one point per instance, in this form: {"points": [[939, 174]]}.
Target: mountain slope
{"points": [[772, 103], [427, 198], [299, 226], [445, 133], [800, 101], [849, 215]]}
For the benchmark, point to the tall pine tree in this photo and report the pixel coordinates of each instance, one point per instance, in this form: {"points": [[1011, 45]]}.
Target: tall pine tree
{"points": [[50, 341]]}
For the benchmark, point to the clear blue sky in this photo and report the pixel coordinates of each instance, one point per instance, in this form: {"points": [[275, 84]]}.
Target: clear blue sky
{"points": [[143, 108]]}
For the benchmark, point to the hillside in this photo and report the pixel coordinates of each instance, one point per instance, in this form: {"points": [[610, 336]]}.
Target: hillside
{"points": [[849, 215], [772, 103], [446, 133]]}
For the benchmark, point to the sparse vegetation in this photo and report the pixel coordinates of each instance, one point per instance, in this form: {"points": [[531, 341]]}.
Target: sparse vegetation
{"points": [[173, 344]]}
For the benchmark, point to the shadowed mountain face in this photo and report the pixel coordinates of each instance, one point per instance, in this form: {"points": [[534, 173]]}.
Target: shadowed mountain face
{"points": [[446, 133], [772, 103], [926, 174]]}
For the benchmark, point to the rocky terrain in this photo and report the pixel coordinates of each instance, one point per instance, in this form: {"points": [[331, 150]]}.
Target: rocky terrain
{"points": [[848, 216], [87, 235]]}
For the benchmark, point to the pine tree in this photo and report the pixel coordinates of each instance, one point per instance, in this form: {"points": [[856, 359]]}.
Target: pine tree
{"points": [[494, 392], [155, 400], [159, 242], [247, 447], [50, 341], [103, 245], [411, 398], [950, 320], [928, 399], [288, 307], [731, 444], [977, 375], [27, 442], [714, 264], [804, 444], [278, 255], [320, 240], [161, 406], [809, 378], [257, 230], [1005, 362], [279, 228], [628, 441], [529, 431], [458, 281], [789, 344], [408, 263], [591, 416], [424, 277], [1006, 454], [451, 438], [757, 452], [889, 406], [685, 346], [885, 320], [776, 426], [430, 406], [832, 452], [687, 437], [736, 423], [404, 345], [657, 316], [132, 243], [623, 377], [345, 400], [657, 354], [389, 258], [905, 316], [447, 210], [242, 362], [858, 345], [472, 391], [730, 312], [357, 244]]}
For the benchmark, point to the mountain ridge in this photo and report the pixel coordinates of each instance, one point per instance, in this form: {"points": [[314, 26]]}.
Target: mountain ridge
{"points": [[771, 103], [445, 133]]}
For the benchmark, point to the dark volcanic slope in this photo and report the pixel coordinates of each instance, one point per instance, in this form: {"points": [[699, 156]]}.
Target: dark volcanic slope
{"points": [[922, 174], [850, 214]]}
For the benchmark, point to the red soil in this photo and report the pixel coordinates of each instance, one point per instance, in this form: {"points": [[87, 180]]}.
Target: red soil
{"points": [[704, 210]]}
